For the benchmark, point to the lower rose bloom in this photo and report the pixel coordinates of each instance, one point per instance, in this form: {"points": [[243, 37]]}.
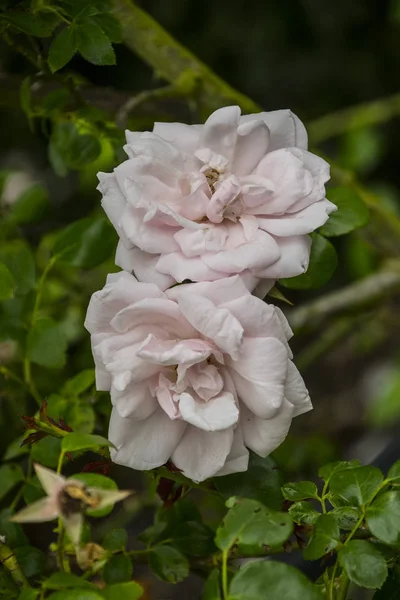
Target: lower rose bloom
{"points": [[198, 374]]}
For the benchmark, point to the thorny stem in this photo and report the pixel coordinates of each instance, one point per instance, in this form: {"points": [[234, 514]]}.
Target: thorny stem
{"points": [[61, 560]]}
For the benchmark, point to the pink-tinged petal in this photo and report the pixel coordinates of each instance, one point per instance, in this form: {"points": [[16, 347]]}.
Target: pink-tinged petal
{"points": [[215, 323], [136, 401], [299, 223], [257, 254], [113, 201], [319, 170], [153, 312], [225, 201], [251, 145], [194, 243], [285, 128], [237, 460], [147, 444], [218, 292], [167, 399], [257, 318], [153, 146], [182, 135], [150, 236], [50, 481], [296, 392], [263, 436], [250, 227], [201, 454], [217, 414], [143, 264], [73, 524], [172, 352], [220, 131], [284, 323], [180, 267], [260, 374], [45, 509], [108, 497], [205, 380], [292, 181], [123, 289], [294, 258]]}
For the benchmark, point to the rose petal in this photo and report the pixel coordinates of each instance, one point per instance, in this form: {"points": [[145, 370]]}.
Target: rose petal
{"points": [[237, 460], [294, 258], [220, 131], [217, 324], [217, 414], [259, 375], [143, 264], [263, 436], [147, 444], [285, 128], [251, 145], [296, 392], [201, 454]]}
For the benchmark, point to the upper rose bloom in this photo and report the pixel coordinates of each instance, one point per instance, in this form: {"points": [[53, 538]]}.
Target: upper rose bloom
{"points": [[238, 194], [197, 374]]}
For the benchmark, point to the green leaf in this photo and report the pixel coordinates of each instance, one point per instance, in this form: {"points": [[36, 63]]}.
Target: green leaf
{"points": [[99, 481], [323, 263], [80, 383], [300, 490], [31, 205], [351, 214], [262, 481], [83, 441], [10, 475], [81, 417], [391, 587], [194, 538], [86, 243], [72, 148], [325, 538], [76, 594], [346, 517], [93, 43], [15, 449], [118, 569], [168, 564], [31, 560], [47, 344], [363, 564], [110, 26], [62, 49], [212, 589], [13, 532], [19, 260], [123, 591], [58, 581], [329, 469], [39, 24], [248, 522], [273, 580], [6, 283], [117, 539], [394, 472], [354, 487], [46, 451], [383, 517], [303, 512], [28, 594], [32, 491]]}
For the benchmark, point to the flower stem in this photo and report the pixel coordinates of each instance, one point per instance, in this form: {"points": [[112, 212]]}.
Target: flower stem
{"points": [[224, 574], [60, 462], [27, 363]]}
